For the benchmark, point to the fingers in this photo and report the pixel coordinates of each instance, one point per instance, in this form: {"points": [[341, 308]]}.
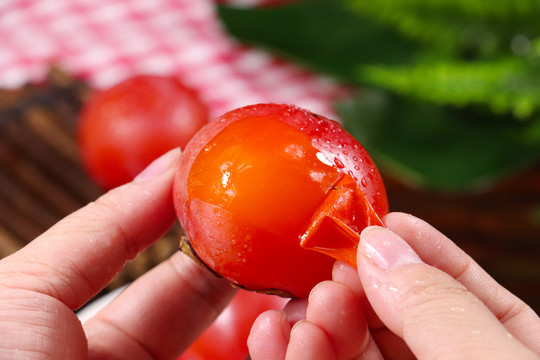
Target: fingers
{"points": [[437, 250], [346, 274], [335, 309], [390, 345], [269, 336], [78, 256], [309, 341], [160, 314], [296, 309], [36, 326], [435, 314], [335, 328]]}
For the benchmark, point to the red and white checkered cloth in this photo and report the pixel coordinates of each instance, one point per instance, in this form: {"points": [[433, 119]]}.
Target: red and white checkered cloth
{"points": [[105, 41]]}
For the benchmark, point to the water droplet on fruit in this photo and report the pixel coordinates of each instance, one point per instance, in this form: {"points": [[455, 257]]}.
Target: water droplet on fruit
{"points": [[364, 182], [323, 159], [339, 163], [356, 167]]}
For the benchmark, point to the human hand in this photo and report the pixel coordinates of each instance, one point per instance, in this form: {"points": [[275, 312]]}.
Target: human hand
{"points": [[156, 317], [415, 295]]}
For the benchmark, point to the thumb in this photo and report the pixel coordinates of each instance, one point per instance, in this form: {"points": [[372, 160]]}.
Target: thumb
{"points": [[434, 313]]}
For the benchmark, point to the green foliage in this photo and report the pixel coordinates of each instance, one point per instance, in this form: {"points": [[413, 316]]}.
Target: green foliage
{"points": [[475, 52], [321, 34], [457, 82], [482, 27], [437, 147], [505, 86]]}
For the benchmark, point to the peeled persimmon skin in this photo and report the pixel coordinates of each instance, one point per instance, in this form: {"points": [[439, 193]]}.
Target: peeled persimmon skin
{"points": [[249, 184]]}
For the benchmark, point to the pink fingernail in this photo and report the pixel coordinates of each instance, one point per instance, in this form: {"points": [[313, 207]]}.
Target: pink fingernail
{"points": [[159, 166], [386, 249]]}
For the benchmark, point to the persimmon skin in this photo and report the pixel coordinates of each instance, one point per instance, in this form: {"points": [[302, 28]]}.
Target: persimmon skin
{"points": [[249, 183]]}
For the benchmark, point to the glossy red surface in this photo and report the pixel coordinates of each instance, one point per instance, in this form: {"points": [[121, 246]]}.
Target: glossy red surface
{"points": [[226, 338], [250, 183], [123, 128]]}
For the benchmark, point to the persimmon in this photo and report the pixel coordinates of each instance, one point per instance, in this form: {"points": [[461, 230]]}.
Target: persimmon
{"points": [[123, 128], [261, 187]]}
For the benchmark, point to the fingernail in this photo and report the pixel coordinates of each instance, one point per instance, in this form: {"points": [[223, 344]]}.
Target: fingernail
{"points": [[386, 249], [285, 326], [160, 165]]}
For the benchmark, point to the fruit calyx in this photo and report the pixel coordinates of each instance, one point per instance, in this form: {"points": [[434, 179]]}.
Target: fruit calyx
{"points": [[335, 227], [186, 247]]}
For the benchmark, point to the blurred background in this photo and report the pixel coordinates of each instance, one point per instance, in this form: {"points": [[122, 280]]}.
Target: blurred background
{"points": [[445, 96]]}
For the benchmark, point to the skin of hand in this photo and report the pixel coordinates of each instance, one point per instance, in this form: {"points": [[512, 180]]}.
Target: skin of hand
{"points": [[415, 294], [156, 317]]}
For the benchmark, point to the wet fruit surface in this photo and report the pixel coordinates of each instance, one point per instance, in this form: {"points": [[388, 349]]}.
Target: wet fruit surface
{"points": [[250, 184]]}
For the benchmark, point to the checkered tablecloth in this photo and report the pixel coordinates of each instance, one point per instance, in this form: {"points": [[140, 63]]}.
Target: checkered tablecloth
{"points": [[105, 41]]}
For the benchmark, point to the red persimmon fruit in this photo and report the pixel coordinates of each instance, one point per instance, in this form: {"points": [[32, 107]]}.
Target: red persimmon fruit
{"points": [[226, 338], [123, 128], [262, 186]]}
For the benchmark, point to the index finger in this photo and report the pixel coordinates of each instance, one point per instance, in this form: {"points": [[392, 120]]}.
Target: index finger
{"points": [[439, 251], [79, 256]]}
